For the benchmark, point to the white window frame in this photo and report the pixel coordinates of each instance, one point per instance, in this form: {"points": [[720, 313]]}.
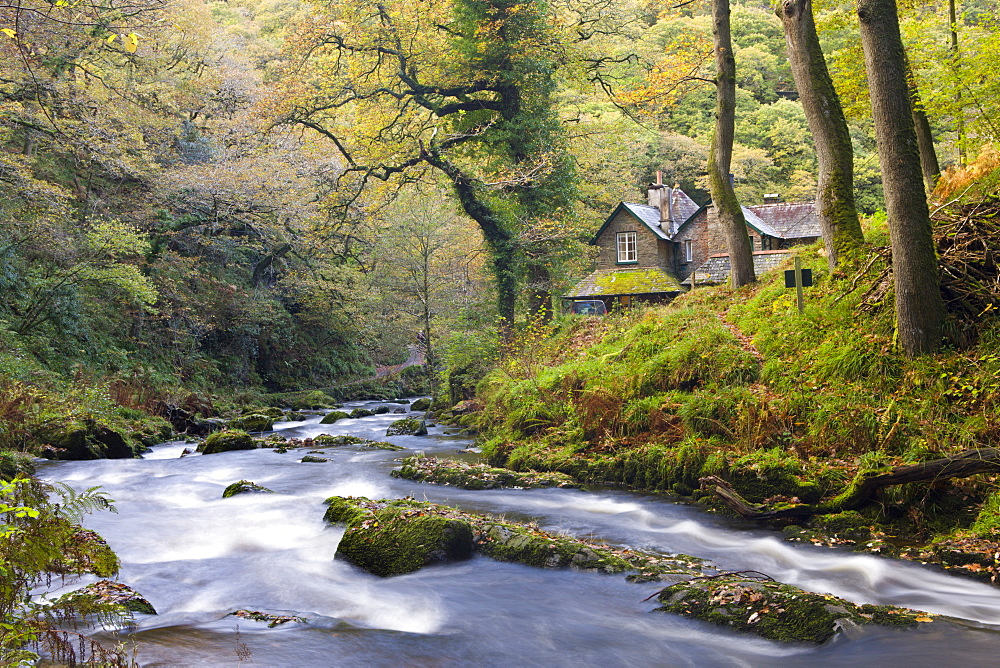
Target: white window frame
{"points": [[688, 250], [625, 242]]}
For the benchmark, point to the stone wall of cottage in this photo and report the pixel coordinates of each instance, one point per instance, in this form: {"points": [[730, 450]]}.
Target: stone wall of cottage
{"points": [[708, 239], [651, 251]]}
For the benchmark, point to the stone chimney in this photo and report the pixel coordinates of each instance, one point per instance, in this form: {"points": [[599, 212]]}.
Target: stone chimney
{"points": [[772, 198], [661, 197]]}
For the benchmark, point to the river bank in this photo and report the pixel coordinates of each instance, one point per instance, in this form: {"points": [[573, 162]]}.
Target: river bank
{"points": [[200, 557]]}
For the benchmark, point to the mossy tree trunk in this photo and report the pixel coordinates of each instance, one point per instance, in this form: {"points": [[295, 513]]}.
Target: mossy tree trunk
{"points": [[919, 307], [734, 225], [862, 490], [835, 193]]}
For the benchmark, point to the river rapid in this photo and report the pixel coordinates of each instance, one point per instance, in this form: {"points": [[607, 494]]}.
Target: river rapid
{"points": [[197, 557]]}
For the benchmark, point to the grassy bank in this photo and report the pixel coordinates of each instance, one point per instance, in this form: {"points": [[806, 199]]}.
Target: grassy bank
{"points": [[787, 408]]}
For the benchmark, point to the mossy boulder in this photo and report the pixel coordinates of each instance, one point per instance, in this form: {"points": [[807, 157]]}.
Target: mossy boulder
{"points": [[314, 400], [333, 416], [774, 610], [224, 441], [293, 416], [407, 426], [254, 422], [476, 476], [388, 537], [422, 404], [15, 464], [398, 540], [506, 543], [313, 459], [383, 445], [86, 439], [81, 551], [381, 410], [361, 413], [106, 592], [340, 439], [244, 487]]}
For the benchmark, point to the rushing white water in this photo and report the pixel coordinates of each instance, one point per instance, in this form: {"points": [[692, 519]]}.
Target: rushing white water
{"points": [[198, 557]]}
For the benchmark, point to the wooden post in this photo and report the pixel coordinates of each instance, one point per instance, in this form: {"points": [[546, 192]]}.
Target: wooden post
{"points": [[798, 283]]}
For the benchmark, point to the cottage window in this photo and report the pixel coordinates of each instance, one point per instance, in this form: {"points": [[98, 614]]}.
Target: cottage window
{"points": [[751, 241], [626, 247], [688, 251]]}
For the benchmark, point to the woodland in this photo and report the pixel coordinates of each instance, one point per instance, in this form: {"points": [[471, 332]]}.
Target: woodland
{"points": [[207, 205]]}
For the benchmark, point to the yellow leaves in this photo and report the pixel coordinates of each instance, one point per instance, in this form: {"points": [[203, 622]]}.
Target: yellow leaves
{"points": [[924, 618], [130, 41], [10, 33], [679, 70]]}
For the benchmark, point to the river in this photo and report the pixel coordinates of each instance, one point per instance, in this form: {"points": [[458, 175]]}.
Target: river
{"points": [[198, 557]]}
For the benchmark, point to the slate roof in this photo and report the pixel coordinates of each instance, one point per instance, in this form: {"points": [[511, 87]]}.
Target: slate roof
{"points": [[758, 223], [790, 220], [612, 282], [649, 215], [684, 207], [717, 266]]}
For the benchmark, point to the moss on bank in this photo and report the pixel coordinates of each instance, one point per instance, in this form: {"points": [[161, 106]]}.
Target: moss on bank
{"points": [[776, 611], [475, 476]]}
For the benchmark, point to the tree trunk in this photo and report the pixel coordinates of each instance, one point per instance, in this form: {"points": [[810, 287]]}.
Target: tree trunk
{"points": [[502, 244], [919, 307], [539, 295], [862, 491], [734, 225], [925, 140], [955, 58], [838, 215]]}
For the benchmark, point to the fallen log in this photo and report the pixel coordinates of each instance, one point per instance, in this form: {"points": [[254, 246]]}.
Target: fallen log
{"points": [[862, 490]]}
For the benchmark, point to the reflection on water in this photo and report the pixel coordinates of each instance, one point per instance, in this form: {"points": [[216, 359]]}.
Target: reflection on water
{"points": [[198, 557]]}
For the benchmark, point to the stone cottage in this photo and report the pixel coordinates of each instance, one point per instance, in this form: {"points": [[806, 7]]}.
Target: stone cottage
{"points": [[647, 252]]}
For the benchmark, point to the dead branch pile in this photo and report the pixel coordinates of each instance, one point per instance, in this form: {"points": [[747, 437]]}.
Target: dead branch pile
{"points": [[968, 242]]}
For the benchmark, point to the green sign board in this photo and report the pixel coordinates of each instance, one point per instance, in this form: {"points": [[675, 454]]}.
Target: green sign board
{"points": [[807, 278]]}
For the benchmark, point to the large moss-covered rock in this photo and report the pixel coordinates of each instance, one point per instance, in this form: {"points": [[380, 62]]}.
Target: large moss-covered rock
{"points": [[389, 537], [15, 464], [86, 439], [314, 400], [774, 610], [333, 416], [407, 426], [82, 551], [253, 422], [505, 543], [341, 439], [476, 476], [421, 404], [361, 412], [399, 540], [106, 592], [244, 487], [224, 441]]}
